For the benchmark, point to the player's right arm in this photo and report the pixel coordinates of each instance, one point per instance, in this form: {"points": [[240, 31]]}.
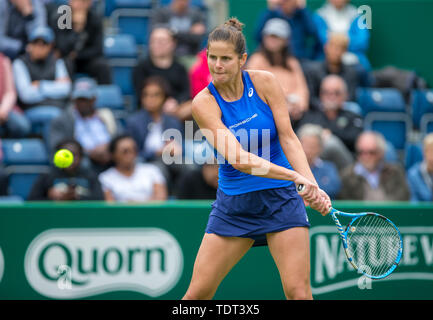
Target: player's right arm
{"points": [[207, 114]]}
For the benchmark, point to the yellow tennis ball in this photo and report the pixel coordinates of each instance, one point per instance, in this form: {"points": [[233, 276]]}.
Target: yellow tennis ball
{"points": [[63, 158]]}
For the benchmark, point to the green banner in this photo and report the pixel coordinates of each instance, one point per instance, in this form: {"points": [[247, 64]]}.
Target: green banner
{"points": [[102, 251]]}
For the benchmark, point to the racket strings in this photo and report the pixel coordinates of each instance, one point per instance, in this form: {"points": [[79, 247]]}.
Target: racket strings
{"points": [[374, 244]]}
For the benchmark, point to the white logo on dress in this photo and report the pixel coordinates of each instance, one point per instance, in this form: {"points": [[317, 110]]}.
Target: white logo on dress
{"points": [[250, 92]]}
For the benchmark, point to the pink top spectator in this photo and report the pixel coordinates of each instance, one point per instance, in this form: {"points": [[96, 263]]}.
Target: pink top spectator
{"points": [[199, 75]]}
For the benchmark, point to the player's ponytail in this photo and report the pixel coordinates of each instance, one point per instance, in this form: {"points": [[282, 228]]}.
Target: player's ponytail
{"points": [[235, 23], [230, 31]]}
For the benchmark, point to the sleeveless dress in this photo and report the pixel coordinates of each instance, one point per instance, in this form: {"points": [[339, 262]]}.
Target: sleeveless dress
{"points": [[247, 205]]}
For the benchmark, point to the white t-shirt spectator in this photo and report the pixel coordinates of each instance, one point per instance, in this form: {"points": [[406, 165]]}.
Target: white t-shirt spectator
{"points": [[138, 187]]}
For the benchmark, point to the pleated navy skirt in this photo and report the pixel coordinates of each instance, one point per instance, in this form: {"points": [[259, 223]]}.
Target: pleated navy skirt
{"points": [[254, 214]]}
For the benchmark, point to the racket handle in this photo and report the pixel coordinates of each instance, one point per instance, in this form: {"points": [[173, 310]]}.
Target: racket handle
{"points": [[300, 188]]}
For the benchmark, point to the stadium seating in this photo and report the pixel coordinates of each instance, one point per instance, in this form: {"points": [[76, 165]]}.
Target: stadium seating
{"points": [[132, 21], [111, 5], [121, 52], [384, 111], [109, 96], [413, 154], [24, 152], [395, 127], [120, 46], [40, 118], [380, 100], [24, 160], [421, 104], [197, 3]]}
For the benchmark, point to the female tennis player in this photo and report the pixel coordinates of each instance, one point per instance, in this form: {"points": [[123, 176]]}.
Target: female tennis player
{"points": [[257, 202]]}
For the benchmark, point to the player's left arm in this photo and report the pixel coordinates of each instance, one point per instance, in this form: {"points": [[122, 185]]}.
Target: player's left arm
{"points": [[271, 92]]}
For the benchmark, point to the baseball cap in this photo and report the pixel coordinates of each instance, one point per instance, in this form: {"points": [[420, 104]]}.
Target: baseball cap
{"points": [[277, 27], [84, 88], [43, 33]]}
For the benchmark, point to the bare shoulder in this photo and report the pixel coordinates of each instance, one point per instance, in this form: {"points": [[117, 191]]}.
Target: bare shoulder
{"points": [[262, 79], [204, 102], [265, 83]]}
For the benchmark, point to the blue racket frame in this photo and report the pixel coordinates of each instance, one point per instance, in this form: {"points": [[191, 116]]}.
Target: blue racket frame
{"points": [[343, 236]]}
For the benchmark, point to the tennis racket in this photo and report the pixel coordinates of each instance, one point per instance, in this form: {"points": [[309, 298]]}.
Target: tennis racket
{"points": [[372, 243]]}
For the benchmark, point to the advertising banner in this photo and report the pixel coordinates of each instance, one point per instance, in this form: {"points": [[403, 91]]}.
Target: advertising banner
{"points": [[102, 251]]}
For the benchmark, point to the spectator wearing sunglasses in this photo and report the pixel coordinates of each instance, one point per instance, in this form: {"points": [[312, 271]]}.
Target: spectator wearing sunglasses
{"points": [[371, 178], [130, 181]]}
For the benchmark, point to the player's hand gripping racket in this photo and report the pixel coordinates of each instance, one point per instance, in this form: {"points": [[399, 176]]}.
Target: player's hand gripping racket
{"points": [[372, 243]]}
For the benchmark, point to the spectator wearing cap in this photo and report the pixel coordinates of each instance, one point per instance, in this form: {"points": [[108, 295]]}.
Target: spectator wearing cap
{"points": [[82, 46], [13, 123], [17, 20], [42, 80], [187, 22], [92, 128], [301, 23], [40, 77], [275, 56]]}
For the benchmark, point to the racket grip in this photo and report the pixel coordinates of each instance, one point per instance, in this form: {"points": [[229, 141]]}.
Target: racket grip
{"points": [[300, 188]]}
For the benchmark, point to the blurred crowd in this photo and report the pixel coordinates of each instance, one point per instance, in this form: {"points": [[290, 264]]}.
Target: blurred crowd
{"points": [[49, 79]]}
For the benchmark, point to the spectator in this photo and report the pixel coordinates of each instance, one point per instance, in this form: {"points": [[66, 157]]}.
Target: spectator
{"points": [[301, 23], [332, 115], [148, 124], [162, 62], [420, 175], [371, 178], [129, 181], [199, 75], [325, 172], [187, 22], [339, 16], [334, 48], [13, 123], [42, 80], [18, 19], [276, 57], [201, 183], [73, 183], [82, 46], [92, 128]]}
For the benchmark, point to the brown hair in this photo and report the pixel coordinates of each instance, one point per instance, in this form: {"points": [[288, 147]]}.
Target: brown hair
{"points": [[230, 31]]}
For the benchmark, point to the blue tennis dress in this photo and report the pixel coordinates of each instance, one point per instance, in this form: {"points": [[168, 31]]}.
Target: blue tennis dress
{"points": [[246, 205]]}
